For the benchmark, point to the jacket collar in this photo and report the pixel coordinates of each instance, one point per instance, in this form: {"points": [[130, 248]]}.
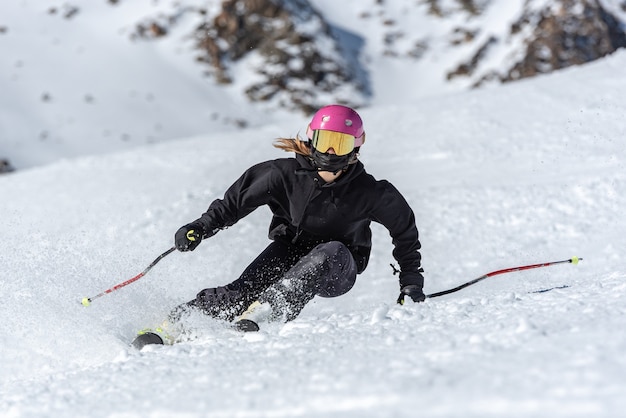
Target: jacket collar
{"points": [[307, 168]]}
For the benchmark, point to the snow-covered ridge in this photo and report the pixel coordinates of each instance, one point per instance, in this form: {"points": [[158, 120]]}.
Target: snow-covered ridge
{"points": [[88, 78]]}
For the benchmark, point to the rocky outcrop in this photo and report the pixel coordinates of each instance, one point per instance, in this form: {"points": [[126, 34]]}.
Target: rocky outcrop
{"points": [[571, 32], [5, 166], [554, 36], [290, 47], [297, 60]]}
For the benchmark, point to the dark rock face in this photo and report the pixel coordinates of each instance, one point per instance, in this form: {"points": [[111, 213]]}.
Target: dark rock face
{"points": [[5, 166], [573, 32]]}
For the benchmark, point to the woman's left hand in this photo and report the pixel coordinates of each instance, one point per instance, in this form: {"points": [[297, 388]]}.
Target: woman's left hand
{"points": [[413, 291]]}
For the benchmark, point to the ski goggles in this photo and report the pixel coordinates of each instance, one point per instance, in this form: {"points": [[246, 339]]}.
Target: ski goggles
{"points": [[323, 140]]}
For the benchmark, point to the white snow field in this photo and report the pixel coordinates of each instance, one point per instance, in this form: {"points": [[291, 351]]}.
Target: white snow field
{"points": [[520, 174]]}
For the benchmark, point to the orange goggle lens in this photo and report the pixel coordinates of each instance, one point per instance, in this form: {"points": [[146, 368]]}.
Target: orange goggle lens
{"points": [[323, 140]]}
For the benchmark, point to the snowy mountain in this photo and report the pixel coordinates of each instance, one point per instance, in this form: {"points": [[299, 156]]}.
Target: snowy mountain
{"points": [[80, 79]]}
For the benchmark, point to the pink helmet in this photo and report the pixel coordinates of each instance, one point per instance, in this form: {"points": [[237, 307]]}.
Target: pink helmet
{"points": [[338, 118]]}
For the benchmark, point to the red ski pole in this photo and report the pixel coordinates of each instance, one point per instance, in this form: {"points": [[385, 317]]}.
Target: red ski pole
{"points": [[87, 301], [573, 260]]}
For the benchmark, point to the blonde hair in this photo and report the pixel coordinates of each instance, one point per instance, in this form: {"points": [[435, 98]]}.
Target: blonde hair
{"points": [[301, 147], [293, 145]]}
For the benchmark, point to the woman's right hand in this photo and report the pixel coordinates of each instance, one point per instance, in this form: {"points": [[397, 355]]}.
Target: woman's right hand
{"points": [[188, 237]]}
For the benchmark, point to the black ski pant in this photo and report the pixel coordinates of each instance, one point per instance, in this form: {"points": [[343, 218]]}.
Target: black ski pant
{"points": [[286, 276]]}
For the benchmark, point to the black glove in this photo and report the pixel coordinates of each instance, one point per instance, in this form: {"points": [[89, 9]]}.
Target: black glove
{"points": [[413, 291], [188, 237]]}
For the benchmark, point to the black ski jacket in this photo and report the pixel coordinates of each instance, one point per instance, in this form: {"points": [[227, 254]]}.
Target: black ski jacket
{"points": [[308, 211]]}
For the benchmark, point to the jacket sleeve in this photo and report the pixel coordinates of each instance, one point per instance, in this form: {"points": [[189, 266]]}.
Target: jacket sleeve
{"points": [[395, 214], [249, 192]]}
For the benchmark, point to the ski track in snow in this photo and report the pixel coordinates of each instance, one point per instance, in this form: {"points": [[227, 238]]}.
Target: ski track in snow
{"points": [[521, 174]]}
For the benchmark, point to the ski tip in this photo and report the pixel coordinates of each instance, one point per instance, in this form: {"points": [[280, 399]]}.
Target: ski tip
{"points": [[575, 260], [86, 301], [145, 339], [246, 325]]}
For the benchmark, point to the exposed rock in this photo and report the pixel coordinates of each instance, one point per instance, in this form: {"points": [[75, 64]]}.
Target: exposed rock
{"points": [[5, 166], [553, 36], [469, 67], [299, 62], [572, 32], [441, 8], [463, 36], [153, 28], [299, 55], [68, 11]]}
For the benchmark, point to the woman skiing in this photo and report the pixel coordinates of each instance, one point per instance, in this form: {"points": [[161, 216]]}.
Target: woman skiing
{"points": [[322, 202]]}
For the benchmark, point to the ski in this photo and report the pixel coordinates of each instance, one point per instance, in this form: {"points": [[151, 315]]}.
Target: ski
{"points": [[153, 337], [246, 325], [146, 338]]}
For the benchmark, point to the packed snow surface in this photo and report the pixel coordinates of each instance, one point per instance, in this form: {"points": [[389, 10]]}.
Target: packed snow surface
{"points": [[520, 174]]}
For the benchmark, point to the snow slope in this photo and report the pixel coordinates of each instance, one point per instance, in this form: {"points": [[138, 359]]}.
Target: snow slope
{"points": [[519, 174], [76, 80], [81, 86]]}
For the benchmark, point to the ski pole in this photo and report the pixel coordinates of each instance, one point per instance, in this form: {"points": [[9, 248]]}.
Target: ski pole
{"points": [[573, 260], [87, 301]]}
